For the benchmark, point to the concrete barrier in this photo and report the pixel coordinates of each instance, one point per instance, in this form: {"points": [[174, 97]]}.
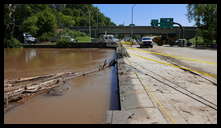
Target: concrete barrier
{"points": [[74, 45]]}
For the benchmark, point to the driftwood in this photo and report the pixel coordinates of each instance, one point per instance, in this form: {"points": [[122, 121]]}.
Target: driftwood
{"points": [[122, 52], [19, 90]]}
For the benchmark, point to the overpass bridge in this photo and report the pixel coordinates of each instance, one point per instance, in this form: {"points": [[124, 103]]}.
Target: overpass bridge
{"points": [[189, 32]]}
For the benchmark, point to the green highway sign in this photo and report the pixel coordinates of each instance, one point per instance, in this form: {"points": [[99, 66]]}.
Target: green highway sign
{"points": [[154, 23], [166, 22], [132, 25]]}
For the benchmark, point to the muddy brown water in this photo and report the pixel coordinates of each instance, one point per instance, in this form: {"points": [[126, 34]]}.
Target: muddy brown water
{"points": [[86, 102]]}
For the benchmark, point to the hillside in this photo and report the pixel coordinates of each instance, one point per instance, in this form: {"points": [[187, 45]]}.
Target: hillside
{"points": [[42, 20]]}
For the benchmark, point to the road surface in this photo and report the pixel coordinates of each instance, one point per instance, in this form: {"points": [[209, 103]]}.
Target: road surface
{"points": [[166, 85]]}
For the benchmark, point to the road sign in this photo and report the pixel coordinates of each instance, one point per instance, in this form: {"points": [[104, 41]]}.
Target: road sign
{"points": [[132, 25], [166, 22], [154, 23]]}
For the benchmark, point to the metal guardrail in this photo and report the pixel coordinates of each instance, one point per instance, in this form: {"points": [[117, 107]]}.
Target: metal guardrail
{"points": [[205, 46]]}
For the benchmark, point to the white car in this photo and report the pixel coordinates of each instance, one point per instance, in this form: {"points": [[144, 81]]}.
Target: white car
{"points": [[28, 38], [182, 42], [146, 42]]}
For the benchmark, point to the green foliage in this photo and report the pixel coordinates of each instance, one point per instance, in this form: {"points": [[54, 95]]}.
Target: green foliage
{"points": [[205, 16], [29, 25], [40, 23], [9, 23], [72, 33], [198, 40], [65, 21], [40, 20], [46, 22], [83, 21], [12, 43], [67, 11], [82, 39], [46, 36], [63, 42]]}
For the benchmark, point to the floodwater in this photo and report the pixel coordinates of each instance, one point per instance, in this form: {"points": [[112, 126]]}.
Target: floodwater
{"points": [[86, 102]]}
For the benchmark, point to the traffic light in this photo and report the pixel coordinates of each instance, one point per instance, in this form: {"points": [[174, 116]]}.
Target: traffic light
{"points": [[166, 22]]}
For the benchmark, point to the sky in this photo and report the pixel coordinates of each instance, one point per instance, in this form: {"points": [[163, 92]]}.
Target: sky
{"points": [[143, 13]]}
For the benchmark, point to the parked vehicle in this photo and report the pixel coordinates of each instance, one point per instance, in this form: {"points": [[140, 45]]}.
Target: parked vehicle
{"points": [[182, 42], [146, 42], [108, 38], [28, 38]]}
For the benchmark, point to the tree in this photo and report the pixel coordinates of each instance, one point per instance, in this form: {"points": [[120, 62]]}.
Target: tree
{"points": [[67, 11], [83, 21], [9, 19], [29, 25], [42, 22], [46, 22], [65, 21], [205, 16]]}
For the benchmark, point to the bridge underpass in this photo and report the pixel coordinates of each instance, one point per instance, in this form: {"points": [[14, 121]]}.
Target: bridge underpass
{"points": [[189, 32]]}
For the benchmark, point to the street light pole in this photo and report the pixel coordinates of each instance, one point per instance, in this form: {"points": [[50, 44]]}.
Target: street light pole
{"points": [[132, 13], [89, 22], [132, 19], [97, 25]]}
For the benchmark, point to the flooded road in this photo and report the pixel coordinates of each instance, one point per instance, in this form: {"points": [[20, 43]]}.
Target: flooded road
{"points": [[86, 102]]}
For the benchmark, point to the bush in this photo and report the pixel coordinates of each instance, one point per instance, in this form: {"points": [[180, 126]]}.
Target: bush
{"points": [[12, 43], [72, 33], [63, 42], [46, 36]]}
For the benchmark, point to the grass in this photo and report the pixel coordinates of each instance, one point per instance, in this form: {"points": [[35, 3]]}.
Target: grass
{"points": [[82, 39], [199, 40]]}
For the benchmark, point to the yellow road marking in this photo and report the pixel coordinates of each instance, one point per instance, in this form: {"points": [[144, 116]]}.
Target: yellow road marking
{"points": [[166, 114], [168, 64], [178, 57]]}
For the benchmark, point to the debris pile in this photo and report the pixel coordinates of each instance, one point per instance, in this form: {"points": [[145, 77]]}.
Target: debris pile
{"points": [[20, 90]]}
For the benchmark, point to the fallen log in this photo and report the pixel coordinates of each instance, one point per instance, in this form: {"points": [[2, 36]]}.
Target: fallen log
{"points": [[19, 90], [10, 82]]}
